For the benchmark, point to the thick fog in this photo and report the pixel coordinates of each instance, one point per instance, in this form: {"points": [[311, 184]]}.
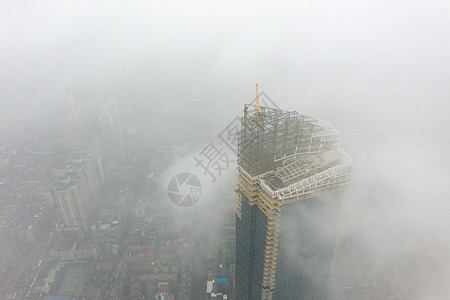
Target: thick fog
{"points": [[379, 71]]}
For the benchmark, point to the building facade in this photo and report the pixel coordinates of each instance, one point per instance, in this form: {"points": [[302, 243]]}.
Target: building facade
{"points": [[111, 132], [291, 177], [77, 191]]}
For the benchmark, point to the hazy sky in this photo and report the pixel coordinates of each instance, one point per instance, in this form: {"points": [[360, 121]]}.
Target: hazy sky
{"points": [[378, 70], [311, 51]]}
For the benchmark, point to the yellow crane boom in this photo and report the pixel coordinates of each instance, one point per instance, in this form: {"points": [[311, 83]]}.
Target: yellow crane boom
{"points": [[258, 108]]}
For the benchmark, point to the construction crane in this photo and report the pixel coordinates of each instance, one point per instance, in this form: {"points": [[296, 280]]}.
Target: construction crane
{"points": [[258, 108]]}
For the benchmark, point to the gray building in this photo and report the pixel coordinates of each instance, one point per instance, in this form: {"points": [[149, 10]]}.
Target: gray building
{"points": [[111, 131], [77, 190]]}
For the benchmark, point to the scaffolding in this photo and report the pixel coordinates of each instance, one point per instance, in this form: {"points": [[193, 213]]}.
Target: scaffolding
{"points": [[323, 180], [272, 138], [285, 157], [304, 167]]}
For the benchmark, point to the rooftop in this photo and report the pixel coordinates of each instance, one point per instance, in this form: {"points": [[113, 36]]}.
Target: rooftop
{"points": [[304, 167], [273, 138], [289, 154]]}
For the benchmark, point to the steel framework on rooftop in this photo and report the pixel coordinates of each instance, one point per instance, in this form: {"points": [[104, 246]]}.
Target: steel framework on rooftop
{"points": [[273, 138]]}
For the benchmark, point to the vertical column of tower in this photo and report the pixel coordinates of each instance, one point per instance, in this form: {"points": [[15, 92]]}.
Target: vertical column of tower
{"points": [[273, 213], [239, 208]]}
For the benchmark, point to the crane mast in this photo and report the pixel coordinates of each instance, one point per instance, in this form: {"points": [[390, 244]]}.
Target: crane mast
{"points": [[258, 108]]}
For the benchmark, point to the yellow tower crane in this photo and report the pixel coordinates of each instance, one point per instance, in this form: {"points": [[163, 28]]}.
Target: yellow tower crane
{"points": [[258, 108]]}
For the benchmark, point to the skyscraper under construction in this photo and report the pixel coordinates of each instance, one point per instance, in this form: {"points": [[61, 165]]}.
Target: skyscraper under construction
{"points": [[291, 177]]}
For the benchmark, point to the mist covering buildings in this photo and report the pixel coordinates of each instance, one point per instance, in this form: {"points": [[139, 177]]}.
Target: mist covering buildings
{"points": [[145, 81]]}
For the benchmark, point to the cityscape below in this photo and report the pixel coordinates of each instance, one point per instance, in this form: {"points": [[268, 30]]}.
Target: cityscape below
{"points": [[224, 150], [85, 211]]}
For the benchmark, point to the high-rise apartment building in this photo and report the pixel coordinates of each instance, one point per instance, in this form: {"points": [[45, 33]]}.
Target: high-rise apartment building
{"points": [[291, 177], [110, 121], [72, 201], [77, 190], [110, 128]]}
